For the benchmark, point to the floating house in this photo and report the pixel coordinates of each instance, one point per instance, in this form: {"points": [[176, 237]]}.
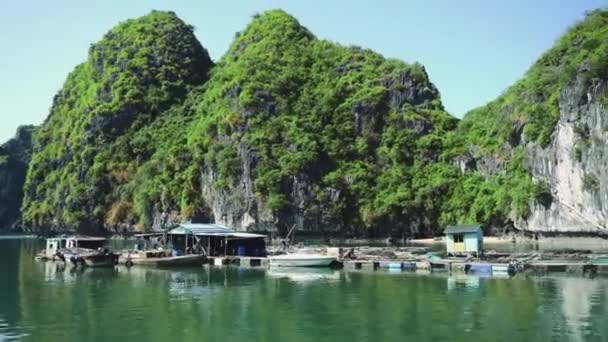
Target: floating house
{"points": [[216, 240], [464, 239]]}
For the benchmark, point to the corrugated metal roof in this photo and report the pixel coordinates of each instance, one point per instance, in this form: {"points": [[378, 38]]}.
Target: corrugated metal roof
{"points": [[462, 228], [206, 228], [246, 236], [210, 229]]}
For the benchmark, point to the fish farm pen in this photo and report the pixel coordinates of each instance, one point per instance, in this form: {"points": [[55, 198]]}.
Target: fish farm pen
{"points": [[491, 266]]}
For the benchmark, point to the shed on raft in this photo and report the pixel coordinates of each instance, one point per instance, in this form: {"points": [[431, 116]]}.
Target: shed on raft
{"points": [[464, 239], [217, 240]]}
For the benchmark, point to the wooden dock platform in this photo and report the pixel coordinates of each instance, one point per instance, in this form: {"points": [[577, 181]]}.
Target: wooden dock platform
{"points": [[450, 265]]}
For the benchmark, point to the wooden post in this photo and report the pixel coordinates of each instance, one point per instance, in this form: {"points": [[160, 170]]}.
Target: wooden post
{"points": [[225, 247]]}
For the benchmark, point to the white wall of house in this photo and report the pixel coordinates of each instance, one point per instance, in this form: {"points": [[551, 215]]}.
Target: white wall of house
{"points": [[449, 243], [471, 242]]}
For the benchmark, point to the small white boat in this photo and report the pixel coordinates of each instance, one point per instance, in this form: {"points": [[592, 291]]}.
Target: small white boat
{"points": [[301, 260]]}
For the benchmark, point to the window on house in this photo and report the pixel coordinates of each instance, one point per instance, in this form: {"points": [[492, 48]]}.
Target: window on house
{"points": [[458, 238]]}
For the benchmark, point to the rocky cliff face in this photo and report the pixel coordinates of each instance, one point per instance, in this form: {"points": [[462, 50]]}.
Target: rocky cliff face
{"points": [[574, 166], [14, 159], [555, 120]]}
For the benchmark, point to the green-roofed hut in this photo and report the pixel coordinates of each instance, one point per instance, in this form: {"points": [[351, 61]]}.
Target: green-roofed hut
{"points": [[464, 239]]}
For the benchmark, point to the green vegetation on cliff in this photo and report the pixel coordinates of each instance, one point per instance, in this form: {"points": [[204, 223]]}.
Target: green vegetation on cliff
{"points": [[345, 119], [531, 105], [125, 142], [15, 155], [287, 129], [527, 113], [84, 151]]}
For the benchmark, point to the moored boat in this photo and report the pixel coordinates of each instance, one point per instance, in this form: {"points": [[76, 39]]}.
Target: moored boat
{"points": [[91, 258], [80, 251], [162, 258], [301, 260]]}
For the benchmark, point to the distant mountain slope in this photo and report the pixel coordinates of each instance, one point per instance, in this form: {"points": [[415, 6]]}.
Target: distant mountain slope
{"points": [[14, 158]]}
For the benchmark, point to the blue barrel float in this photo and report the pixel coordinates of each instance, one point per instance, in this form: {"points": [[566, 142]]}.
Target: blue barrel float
{"points": [[409, 266], [480, 268]]}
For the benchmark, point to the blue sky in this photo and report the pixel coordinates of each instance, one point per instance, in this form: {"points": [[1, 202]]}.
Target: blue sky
{"points": [[472, 49]]}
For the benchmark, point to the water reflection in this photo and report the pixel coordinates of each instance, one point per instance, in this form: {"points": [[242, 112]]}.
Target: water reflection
{"points": [[304, 275], [10, 332], [47, 302], [579, 297], [462, 282], [63, 274]]}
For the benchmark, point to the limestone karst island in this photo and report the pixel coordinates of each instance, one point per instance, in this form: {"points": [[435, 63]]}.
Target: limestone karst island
{"points": [[297, 172]]}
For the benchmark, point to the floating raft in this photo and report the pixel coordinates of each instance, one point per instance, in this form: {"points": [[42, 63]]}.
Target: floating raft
{"points": [[481, 268]]}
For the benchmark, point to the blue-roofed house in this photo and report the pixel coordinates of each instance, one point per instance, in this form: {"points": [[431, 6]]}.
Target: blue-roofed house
{"points": [[464, 239], [217, 240]]}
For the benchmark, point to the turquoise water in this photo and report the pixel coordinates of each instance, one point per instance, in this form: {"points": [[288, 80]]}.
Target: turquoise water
{"points": [[39, 302]]}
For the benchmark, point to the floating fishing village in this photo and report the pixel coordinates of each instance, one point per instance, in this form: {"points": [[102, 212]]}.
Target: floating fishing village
{"points": [[219, 246], [331, 171]]}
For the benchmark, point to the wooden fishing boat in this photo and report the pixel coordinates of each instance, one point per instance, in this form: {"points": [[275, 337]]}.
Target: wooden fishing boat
{"points": [[301, 260], [79, 251], [91, 258]]}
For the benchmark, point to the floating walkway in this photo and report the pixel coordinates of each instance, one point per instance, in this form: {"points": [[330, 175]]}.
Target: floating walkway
{"points": [[450, 266], [478, 267]]}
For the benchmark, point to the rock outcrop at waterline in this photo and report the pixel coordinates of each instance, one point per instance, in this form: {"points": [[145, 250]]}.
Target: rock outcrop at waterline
{"points": [[14, 159], [286, 129]]}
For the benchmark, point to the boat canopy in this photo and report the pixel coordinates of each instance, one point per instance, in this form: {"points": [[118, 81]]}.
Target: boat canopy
{"points": [[209, 229]]}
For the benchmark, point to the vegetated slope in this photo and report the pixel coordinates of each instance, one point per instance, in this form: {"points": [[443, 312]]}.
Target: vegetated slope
{"points": [[85, 153], [536, 156], [293, 130], [287, 129], [14, 158]]}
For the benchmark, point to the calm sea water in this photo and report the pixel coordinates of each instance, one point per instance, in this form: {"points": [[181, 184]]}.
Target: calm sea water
{"points": [[39, 302]]}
